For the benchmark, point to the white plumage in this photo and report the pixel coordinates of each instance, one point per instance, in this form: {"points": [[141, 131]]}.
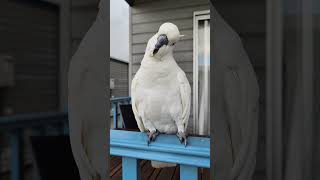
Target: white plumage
{"points": [[87, 102], [160, 90]]}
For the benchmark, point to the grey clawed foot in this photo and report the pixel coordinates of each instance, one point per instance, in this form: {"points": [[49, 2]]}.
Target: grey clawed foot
{"points": [[152, 135], [182, 138]]}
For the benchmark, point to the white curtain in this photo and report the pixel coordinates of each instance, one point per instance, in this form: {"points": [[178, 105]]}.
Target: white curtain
{"points": [[203, 77]]}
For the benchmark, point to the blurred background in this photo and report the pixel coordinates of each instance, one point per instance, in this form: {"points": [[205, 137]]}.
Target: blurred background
{"points": [[39, 37]]}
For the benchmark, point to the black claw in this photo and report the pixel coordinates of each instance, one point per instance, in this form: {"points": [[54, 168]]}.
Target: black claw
{"points": [[182, 138], [152, 136]]}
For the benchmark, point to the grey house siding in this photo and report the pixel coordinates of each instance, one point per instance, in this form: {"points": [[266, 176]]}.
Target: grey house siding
{"points": [[36, 60], [119, 71], [148, 15], [38, 56], [29, 33], [31, 38]]}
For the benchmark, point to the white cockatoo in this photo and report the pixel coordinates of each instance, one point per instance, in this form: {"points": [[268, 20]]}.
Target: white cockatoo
{"points": [[160, 90], [87, 99]]}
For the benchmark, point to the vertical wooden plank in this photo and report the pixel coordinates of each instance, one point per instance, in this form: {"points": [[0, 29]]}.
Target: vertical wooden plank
{"points": [[130, 169], [274, 83], [176, 174], [115, 113], [188, 172], [155, 173], [147, 171], [16, 162], [166, 173]]}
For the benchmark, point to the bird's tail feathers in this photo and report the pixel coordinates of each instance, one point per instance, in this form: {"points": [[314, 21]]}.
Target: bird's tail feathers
{"points": [[158, 164]]}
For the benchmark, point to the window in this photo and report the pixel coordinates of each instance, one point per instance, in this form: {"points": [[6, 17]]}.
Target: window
{"points": [[201, 73]]}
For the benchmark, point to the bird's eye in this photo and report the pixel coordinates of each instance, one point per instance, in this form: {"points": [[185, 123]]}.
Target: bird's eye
{"points": [[172, 44]]}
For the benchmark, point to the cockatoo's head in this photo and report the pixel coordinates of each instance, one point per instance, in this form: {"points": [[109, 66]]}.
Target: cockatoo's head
{"points": [[166, 38]]}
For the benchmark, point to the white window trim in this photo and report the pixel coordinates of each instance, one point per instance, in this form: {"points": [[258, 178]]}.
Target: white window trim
{"points": [[197, 15]]}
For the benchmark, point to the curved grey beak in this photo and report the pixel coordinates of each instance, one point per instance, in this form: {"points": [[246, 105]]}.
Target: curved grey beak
{"points": [[161, 41]]}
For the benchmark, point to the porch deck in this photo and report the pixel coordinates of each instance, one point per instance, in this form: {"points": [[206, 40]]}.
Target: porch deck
{"points": [[150, 173]]}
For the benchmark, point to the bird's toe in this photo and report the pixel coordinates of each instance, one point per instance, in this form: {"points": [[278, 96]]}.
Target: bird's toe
{"points": [[152, 135], [182, 138]]}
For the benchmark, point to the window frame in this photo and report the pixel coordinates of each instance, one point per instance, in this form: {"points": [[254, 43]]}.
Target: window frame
{"points": [[197, 16]]}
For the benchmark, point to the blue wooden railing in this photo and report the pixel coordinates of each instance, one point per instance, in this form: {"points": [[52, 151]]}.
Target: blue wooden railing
{"points": [[115, 102], [132, 146], [15, 126]]}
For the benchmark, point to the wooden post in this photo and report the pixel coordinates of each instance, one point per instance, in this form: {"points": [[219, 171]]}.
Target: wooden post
{"points": [[188, 172], [130, 169]]}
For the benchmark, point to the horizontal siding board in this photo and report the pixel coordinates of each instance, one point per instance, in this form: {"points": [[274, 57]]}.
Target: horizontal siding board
{"points": [[120, 72], [30, 34], [29, 11], [12, 50], [39, 45], [184, 56], [136, 59], [152, 27], [135, 68], [155, 6], [167, 15], [6, 24], [186, 66]]}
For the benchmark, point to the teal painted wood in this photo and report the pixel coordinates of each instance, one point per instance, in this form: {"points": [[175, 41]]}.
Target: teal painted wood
{"points": [[33, 119], [188, 172], [115, 114], [115, 102], [119, 99], [16, 161], [15, 124], [130, 169], [166, 148]]}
